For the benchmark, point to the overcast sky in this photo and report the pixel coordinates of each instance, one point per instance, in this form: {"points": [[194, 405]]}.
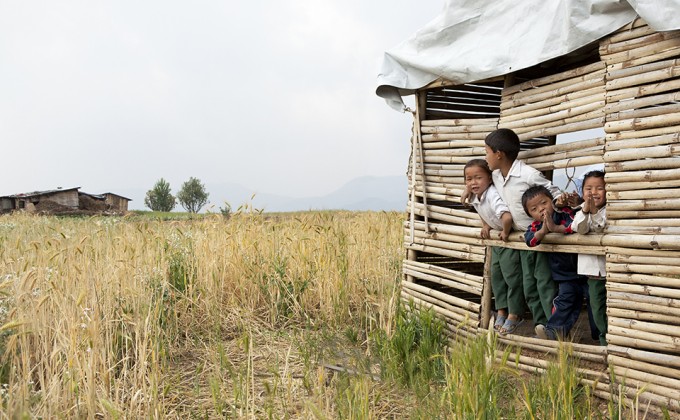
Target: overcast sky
{"points": [[277, 96]]}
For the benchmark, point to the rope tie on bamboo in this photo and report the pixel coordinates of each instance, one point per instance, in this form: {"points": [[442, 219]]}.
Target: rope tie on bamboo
{"points": [[570, 178], [417, 162]]}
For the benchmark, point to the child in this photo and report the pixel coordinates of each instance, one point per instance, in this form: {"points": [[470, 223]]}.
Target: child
{"points": [[512, 178], [592, 218], [506, 279], [572, 288]]}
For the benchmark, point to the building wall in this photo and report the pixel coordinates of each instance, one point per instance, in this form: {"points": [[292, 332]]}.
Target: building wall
{"points": [[117, 203], [65, 198]]}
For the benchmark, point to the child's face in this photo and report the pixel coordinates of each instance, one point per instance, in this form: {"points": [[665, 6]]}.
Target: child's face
{"points": [[596, 189], [540, 205], [477, 179], [493, 159]]}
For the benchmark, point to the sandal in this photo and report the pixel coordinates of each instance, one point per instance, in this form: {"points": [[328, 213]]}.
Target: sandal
{"points": [[500, 322], [510, 326]]}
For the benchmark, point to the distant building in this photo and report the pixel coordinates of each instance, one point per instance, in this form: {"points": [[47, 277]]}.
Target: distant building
{"points": [[59, 199], [116, 202], [69, 200]]}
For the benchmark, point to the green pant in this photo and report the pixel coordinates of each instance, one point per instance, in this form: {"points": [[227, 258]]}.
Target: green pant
{"points": [[539, 287], [506, 279], [598, 305]]}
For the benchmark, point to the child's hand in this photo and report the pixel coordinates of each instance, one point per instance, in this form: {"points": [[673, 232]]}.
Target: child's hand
{"points": [[587, 203], [465, 197], [574, 200], [562, 200], [504, 236], [548, 223], [486, 232]]}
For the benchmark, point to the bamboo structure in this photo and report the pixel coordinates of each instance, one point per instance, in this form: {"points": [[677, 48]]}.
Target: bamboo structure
{"points": [[629, 87]]}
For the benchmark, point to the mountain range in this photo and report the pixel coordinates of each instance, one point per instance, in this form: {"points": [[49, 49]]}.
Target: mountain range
{"points": [[364, 193]]}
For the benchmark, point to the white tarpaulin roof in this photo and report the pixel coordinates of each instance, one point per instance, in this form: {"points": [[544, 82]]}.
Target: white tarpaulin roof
{"points": [[473, 40]]}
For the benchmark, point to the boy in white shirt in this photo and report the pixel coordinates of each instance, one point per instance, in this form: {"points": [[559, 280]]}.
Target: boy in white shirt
{"points": [[512, 178], [506, 279]]}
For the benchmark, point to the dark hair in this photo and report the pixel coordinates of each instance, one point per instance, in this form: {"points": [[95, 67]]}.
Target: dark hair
{"points": [[532, 192], [593, 174], [504, 140], [479, 163]]}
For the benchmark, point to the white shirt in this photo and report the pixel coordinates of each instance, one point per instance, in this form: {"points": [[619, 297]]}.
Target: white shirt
{"points": [[588, 264], [520, 178], [490, 207]]}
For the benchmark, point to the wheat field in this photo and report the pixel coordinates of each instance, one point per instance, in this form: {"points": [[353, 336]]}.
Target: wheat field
{"points": [[213, 317]]}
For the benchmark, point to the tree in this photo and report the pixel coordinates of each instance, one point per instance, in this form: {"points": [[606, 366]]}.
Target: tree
{"points": [[159, 197], [192, 196]]}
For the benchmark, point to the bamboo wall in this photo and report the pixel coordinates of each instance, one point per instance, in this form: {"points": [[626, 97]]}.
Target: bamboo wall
{"points": [[633, 92]]}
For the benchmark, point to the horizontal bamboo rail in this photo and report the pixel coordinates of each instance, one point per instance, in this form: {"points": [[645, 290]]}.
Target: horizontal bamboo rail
{"points": [[641, 279], [470, 281], [667, 360], [643, 316], [613, 214]]}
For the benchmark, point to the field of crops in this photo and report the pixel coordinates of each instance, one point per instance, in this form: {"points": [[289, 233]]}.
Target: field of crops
{"points": [[260, 316]]}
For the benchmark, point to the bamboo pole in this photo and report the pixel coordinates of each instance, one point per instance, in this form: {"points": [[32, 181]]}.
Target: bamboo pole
{"points": [[663, 372], [641, 306], [627, 34], [437, 137], [422, 301], [478, 124], [445, 252], [647, 204], [434, 279], [647, 176], [666, 360], [551, 345], [553, 78], [633, 43], [578, 97], [641, 339], [642, 279], [640, 91], [487, 298], [451, 159], [613, 214], [671, 333], [532, 97], [566, 147], [644, 259], [549, 106], [467, 152], [572, 154], [643, 316], [611, 108], [643, 78], [669, 53], [643, 123], [640, 252], [561, 129], [645, 164], [452, 144], [643, 194], [642, 153], [632, 186], [568, 163], [449, 244], [642, 51], [656, 291], [643, 230], [436, 215], [556, 88], [552, 125], [644, 112], [462, 214], [640, 133], [650, 383], [444, 276], [555, 117], [453, 303]]}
